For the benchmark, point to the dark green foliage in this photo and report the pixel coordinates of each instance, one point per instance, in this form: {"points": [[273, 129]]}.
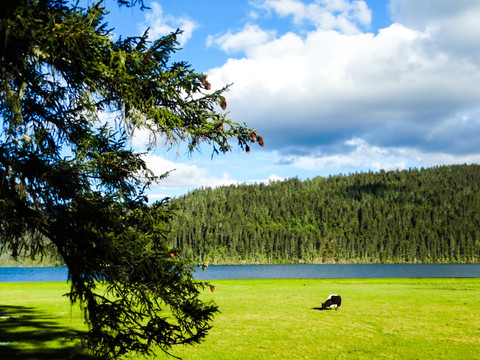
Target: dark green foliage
{"points": [[69, 179], [428, 215]]}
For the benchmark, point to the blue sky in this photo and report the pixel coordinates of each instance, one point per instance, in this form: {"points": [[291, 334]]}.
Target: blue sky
{"points": [[334, 86]]}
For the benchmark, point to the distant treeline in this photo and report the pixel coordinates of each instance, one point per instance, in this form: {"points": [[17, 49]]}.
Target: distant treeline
{"points": [[50, 258], [426, 215]]}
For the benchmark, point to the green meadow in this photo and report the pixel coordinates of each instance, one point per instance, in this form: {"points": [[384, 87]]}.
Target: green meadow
{"points": [[277, 319]]}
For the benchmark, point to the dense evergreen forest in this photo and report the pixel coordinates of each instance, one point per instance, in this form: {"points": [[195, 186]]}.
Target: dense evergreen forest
{"points": [[426, 215]]}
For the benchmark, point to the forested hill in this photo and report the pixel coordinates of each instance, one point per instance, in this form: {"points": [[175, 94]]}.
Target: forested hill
{"points": [[427, 215]]}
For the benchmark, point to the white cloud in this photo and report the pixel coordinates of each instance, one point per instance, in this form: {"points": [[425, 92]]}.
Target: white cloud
{"points": [[250, 37], [161, 24], [454, 23], [330, 96], [359, 156], [271, 178], [321, 88], [184, 175], [420, 14], [362, 156], [341, 15]]}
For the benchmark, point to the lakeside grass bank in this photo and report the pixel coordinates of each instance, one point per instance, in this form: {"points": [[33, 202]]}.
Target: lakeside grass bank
{"points": [[276, 319]]}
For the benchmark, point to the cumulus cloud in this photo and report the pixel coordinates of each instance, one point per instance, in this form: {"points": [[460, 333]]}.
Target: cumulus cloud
{"points": [[310, 92], [161, 24], [454, 23], [420, 14], [358, 155], [328, 94], [250, 37], [184, 175], [271, 178], [341, 15]]}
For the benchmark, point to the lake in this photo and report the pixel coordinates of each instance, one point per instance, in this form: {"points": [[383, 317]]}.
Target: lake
{"points": [[323, 271], [339, 271]]}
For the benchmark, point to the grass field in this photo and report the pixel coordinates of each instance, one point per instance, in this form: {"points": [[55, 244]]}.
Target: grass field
{"points": [[276, 319], [37, 322]]}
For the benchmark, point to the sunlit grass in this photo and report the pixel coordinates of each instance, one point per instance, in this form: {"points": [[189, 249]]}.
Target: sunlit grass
{"points": [[37, 322], [378, 319], [276, 319]]}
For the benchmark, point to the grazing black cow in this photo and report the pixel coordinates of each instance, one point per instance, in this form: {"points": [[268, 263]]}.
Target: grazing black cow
{"points": [[333, 302]]}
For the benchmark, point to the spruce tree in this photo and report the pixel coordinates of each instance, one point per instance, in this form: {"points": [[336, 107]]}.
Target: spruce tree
{"points": [[69, 176]]}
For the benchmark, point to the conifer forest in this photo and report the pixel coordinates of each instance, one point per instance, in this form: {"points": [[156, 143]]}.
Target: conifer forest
{"points": [[411, 216]]}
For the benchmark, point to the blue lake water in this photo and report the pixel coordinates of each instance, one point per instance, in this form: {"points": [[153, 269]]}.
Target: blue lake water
{"points": [[324, 271], [33, 274], [339, 271]]}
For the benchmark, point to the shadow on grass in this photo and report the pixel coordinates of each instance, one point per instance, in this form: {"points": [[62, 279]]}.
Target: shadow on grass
{"points": [[25, 331]]}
